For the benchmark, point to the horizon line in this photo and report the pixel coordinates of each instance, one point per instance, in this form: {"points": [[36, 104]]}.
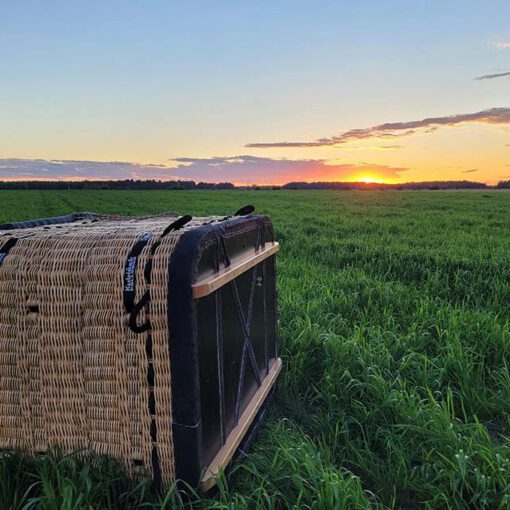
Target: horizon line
{"points": [[246, 185]]}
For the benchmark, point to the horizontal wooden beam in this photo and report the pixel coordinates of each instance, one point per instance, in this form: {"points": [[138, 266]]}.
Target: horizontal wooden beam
{"points": [[238, 266], [235, 437]]}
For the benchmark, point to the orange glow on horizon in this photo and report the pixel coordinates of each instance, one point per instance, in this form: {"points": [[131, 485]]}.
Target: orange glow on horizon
{"points": [[369, 179]]}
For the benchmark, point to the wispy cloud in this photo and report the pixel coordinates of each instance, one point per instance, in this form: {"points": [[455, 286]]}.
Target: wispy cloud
{"points": [[500, 44], [397, 129], [469, 171], [492, 76], [243, 169], [372, 148]]}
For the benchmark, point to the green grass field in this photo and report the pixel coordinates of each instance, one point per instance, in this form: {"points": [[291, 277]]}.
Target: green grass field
{"points": [[395, 337]]}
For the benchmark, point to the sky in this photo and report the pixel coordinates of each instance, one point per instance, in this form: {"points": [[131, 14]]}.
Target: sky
{"points": [[255, 92]]}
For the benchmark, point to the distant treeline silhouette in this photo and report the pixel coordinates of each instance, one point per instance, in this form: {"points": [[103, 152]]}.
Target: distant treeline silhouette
{"points": [[128, 184], [427, 185], [132, 184]]}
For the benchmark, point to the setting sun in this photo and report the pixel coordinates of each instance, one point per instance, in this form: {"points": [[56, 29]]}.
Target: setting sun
{"points": [[369, 179]]}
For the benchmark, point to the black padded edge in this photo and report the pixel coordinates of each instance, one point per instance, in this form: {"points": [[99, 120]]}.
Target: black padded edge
{"points": [[70, 218]]}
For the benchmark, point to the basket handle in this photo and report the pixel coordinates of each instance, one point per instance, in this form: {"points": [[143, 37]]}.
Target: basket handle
{"points": [[244, 211], [177, 224], [137, 308]]}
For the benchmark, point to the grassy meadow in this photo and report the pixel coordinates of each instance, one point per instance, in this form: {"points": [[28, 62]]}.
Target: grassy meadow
{"points": [[395, 338]]}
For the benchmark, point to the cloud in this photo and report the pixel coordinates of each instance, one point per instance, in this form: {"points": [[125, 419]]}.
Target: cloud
{"points": [[243, 169], [500, 44], [391, 130], [247, 169], [33, 169], [469, 171], [371, 148], [492, 76]]}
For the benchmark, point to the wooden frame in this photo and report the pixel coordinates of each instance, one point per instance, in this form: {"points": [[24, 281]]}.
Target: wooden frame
{"points": [[235, 437], [210, 284]]}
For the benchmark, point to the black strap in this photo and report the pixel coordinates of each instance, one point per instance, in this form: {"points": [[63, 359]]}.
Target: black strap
{"points": [[130, 275], [130, 271], [6, 248], [136, 311], [221, 251], [261, 237], [177, 224], [244, 211]]}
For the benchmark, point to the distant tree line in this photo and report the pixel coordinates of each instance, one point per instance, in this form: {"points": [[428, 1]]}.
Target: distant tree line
{"points": [[128, 184], [431, 185], [132, 184]]}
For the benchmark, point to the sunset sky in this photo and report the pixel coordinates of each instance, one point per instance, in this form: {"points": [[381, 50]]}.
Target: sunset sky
{"points": [[255, 92]]}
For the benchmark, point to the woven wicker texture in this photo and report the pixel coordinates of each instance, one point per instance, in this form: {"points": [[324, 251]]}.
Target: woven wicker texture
{"points": [[72, 373]]}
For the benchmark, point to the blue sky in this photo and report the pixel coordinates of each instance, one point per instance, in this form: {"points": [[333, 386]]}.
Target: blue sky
{"points": [[152, 82]]}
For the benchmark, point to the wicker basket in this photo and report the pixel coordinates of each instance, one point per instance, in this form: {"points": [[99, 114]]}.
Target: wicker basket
{"points": [[149, 339]]}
